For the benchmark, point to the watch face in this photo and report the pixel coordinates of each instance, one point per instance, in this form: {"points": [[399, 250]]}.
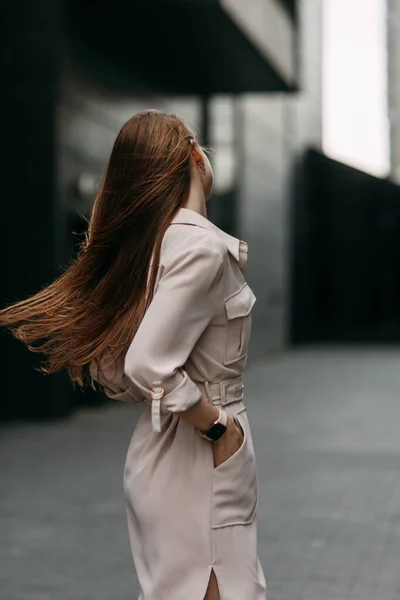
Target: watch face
{"points": [[216, 431]]}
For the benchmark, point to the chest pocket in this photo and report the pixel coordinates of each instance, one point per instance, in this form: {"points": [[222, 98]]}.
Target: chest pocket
{"points": [[238, 311]]}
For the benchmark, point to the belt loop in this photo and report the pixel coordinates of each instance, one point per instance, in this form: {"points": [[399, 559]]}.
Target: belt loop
{"points": [[208, 391], [156, 415], [222, 391], [156, 393]]}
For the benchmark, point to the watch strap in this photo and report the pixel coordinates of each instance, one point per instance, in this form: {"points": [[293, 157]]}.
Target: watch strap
{"points": [[218, 428]]}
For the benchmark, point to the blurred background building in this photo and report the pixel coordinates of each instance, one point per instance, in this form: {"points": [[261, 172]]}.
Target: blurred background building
{"points": [[248, 77], [346, 279], [72, 76]]}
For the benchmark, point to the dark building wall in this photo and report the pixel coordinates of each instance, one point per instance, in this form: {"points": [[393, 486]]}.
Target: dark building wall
{"points": [[86, 129], [31, 54], [346, 258], [49, 137]]}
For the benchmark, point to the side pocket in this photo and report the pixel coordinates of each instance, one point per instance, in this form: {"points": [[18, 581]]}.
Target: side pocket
{"points": [[241, 447], [235, 485]]}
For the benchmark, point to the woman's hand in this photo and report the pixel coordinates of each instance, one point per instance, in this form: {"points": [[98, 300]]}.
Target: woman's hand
{"points": [[202, 415], [228, 444]]}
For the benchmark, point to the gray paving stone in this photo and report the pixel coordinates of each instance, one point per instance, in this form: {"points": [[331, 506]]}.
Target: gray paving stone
{"points": [[326, 430]]}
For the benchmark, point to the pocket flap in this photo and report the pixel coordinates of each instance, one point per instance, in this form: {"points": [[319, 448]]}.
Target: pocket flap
{"points": [[240, 303]]}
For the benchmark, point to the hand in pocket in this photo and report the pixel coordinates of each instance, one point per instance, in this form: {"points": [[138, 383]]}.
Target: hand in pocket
{"points": [[229, 443]]}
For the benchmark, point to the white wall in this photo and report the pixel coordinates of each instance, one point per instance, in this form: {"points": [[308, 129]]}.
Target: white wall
{"points": [[356, 128]]}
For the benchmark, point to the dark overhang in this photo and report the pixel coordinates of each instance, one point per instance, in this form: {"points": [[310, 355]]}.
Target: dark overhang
{"points": [[178, 46], [291, 8]]}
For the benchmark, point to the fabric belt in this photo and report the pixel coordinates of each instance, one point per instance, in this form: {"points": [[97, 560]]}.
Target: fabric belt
{"points": [[222, 392], [218, 393]]}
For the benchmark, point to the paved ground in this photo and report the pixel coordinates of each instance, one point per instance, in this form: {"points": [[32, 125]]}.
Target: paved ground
{"points": [[326, 431]]}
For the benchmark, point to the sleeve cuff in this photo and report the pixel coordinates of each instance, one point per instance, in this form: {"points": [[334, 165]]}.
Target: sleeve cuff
{"points": [[181, 398]]}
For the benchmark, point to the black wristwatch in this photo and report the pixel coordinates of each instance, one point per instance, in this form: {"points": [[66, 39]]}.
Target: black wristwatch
{"points": [[218, 428]]}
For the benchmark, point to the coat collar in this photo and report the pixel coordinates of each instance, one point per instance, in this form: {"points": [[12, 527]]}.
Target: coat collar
{"points": [[235, 246]]}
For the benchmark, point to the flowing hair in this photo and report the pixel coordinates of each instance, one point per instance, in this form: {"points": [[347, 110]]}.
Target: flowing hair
{"points": [[97, 304]]}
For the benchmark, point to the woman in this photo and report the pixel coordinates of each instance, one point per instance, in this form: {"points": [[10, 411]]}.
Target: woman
{"points": [[155, 308]]}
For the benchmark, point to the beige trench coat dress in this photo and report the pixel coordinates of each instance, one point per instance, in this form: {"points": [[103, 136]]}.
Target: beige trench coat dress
{"points": [[186, 517]]}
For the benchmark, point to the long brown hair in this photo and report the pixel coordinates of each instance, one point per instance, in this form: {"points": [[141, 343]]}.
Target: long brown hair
{"points": [[98, 302]]}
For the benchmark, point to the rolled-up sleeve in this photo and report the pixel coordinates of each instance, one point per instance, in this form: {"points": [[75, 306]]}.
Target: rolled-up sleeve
{"points": [[188, 296]]}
